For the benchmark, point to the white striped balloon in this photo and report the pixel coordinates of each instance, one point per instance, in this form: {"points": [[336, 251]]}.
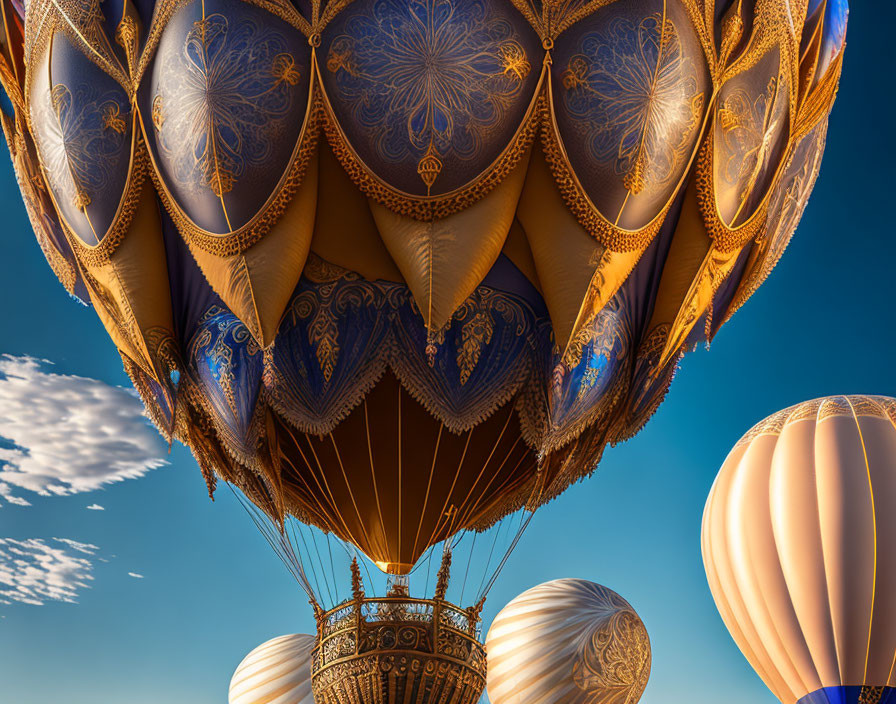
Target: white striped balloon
{"points": [[276, 672], [799, 544], [568, 641]]}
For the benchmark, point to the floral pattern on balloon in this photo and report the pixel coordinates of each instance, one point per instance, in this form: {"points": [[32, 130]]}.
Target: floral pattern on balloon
{"points": [[428, 81], [750, 121], [615, 663], [338, 337], [223, 101], [633, 94], [226, 364], [82, 133]]}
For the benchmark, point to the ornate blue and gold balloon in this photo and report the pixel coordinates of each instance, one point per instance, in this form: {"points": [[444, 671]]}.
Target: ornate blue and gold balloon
{"points": [[397, 268]]}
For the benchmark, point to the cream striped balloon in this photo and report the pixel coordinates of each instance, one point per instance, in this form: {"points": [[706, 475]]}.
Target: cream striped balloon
{"points": [[276, 672], [569, 641], [799, 544]]}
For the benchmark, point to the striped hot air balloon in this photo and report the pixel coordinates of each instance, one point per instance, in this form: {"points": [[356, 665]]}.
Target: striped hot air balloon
{"points": [[798, 538], [276, 672], [568, 641]]}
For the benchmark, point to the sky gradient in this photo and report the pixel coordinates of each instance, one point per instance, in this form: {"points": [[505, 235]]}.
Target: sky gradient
{"points": [[182, 588]]}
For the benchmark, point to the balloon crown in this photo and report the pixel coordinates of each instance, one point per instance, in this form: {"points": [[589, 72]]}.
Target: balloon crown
{"points": [[371, 650]]}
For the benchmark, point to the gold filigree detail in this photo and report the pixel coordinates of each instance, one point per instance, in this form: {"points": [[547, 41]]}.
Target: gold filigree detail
{"points": [[644, 127], [323, 331], [228, 90], [429, 167], [166, 9], [428, 208], [398, 649], [732, 33], [83, 24], [785, 211], [158, 112], [870, 695], [821, 409], [99, 255], [113, 120], [477, 333], [819, 101], [615, 662], [11, 86], [725, 238], [126, 36], [81, 200], [284, 69], [33, 188], [240, 240], [577, 200], [514, 61]]}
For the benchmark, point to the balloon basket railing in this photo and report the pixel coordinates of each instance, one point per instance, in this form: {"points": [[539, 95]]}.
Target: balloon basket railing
{"points": [[398, 650]]}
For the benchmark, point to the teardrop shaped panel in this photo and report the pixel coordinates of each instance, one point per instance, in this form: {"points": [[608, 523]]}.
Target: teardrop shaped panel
{"points": [[223, 106], [428, 93], [749, 137], [83, 129], [630, 87]]}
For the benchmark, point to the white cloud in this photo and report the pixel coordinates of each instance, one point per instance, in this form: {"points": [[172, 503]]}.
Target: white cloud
{"points": [[135, 575], [6, 493], [84, 548], [35, 571], [95, 507], [63, 434]]}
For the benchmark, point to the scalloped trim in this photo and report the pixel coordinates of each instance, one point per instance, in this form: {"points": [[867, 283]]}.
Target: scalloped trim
{"points": [[577, 200], [428, 208], [238, 241]]}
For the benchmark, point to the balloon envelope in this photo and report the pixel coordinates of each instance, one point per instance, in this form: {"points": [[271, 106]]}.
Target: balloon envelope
{"points": [[398, 268], [276, 672], [568, 641], [799, 544]]}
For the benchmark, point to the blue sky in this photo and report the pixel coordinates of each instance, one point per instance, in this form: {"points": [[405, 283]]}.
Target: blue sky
{"points": [[211, 590]]}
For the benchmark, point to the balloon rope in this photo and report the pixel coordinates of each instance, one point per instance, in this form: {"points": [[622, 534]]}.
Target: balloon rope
{"points": [[491, 553], [432, 471], [463, 587], [376, 493], [351, 494], [485, 466], [321, 563], [298, 531], [460, 465], [332, 566], [519, 534], [268, 531]]}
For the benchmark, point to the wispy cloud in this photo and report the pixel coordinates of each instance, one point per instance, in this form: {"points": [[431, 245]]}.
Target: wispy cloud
{"points": [[135, 575], [63, 434], [95, 507], [35, 571]]}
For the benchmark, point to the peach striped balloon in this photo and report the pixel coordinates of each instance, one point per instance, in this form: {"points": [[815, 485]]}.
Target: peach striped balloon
{"points": [[276, 672], [799, 545], [568, 641]]}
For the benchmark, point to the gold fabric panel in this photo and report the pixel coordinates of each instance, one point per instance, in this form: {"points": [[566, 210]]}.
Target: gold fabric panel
{"points": [[443, 261], [565, 255], [257, 284], [517, 250], [690, 246], [131, 292], [345, 233]]}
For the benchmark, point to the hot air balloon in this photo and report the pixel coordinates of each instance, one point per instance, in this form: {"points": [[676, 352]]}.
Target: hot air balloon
{"points": [[401, 269], [797, 547], [276, 672], [568, 641]]}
